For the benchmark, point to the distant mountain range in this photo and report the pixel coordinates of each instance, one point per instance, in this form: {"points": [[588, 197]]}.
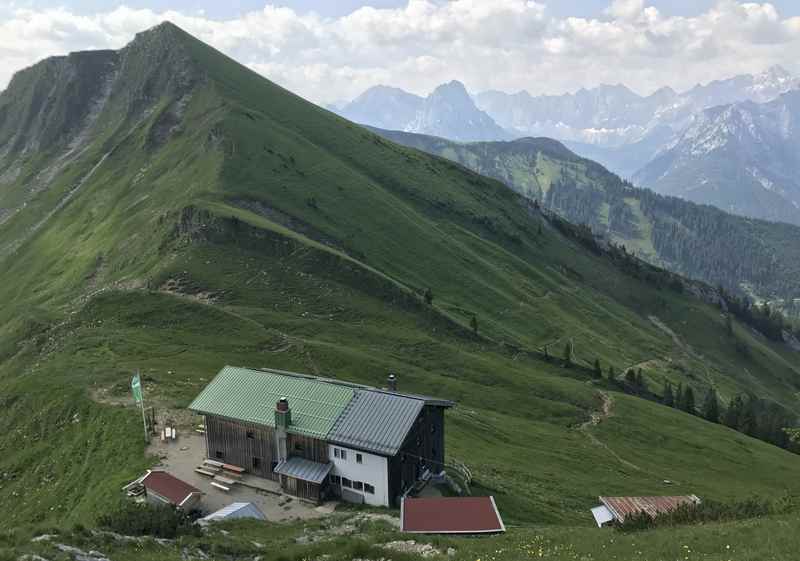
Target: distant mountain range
{"points": [[448, 111], [646, 138]]}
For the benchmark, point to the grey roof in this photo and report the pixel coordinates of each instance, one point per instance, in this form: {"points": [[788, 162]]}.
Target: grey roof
{"points": [[236, 510], [305, 470], [376, 422]]}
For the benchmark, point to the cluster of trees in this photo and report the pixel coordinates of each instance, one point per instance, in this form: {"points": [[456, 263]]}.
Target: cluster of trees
{"points": [[765, 420], [762, 318]]}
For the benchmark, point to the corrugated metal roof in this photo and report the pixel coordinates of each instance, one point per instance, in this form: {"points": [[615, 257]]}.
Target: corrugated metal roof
{"points": [[236, 510], [622, 507], [305, 470], [376, 422], [250, 395]]}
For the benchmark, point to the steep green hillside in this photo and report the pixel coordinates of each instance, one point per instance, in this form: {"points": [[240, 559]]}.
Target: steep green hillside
{"points": [[691, 239], [205, 216]]}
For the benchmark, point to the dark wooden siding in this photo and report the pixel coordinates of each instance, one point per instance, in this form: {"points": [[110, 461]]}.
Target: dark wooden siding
{"points": [[231, 438], [422, 448], [302, 489], [308, 448]]}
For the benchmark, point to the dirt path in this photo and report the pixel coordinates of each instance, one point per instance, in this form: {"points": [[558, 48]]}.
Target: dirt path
{"points": [[598, 416], [685, 347]]}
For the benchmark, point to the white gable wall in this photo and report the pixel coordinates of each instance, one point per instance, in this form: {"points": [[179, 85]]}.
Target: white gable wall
{"points": [[373, 470]]}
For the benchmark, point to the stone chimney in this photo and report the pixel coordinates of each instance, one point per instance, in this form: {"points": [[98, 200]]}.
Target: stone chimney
{"points": [[391, 383], [283, 418]]}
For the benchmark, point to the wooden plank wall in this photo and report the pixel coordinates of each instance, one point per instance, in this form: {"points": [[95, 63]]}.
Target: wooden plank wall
{"points": [[230, 437]]}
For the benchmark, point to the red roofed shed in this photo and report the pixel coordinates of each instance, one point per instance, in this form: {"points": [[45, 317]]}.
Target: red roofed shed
{"points": [[163, 488], [451, 515]]}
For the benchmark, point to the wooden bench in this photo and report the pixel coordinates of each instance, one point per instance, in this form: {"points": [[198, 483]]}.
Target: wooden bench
{"points": [[225, 480], [220, 486], [205, 472], [214, 463], [234, 469]]}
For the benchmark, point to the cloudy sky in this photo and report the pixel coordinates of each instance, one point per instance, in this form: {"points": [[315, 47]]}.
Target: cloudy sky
{"points": [[330, 50]]}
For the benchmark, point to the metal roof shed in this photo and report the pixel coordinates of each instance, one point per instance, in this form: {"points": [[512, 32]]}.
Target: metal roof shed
{"points": [[234, 510], [622, 507], [450, 515], [163, 488]]}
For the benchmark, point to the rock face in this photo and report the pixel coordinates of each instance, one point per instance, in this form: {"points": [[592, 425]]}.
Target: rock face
{"points": [[743, 158], [448, 112]]}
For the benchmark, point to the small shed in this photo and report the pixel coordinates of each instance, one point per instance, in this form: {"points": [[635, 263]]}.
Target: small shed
{"points": [[450, 515], [234, 510], [617, 509], [162, 488], [303, 477]]}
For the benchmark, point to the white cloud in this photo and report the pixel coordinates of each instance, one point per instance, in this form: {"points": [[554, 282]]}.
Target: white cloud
{"points": [[502, 44]]}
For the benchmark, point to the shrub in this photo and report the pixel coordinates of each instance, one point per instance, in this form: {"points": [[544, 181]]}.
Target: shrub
{"points": [[149, 520]]}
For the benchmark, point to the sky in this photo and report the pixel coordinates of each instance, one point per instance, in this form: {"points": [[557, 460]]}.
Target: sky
{"points": [[332, 50]]}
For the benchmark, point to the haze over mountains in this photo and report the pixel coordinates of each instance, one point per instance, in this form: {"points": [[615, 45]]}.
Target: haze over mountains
{"points": [[636, 136]]}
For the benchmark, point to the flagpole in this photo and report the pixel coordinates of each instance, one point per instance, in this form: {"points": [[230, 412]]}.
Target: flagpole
{"points": [[141, 404]]}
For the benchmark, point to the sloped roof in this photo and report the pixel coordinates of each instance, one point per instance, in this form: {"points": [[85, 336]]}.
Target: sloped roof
{"points": [[168, 486], [622, 507], [236, 510], [376, 422], [303, 469], [250, 395], [349, 414], [450, 515]]}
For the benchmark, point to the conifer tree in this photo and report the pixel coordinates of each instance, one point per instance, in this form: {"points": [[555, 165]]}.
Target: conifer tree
{"points": [[473, 323], [668, 397], [611, 374], [640, 379], [428, 296], [568, 353], [679, 397], [734, 413], [711, 406], [688, 400], [598, 370]]}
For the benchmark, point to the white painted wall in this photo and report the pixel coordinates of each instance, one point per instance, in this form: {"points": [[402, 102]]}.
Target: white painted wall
{"points": [[374, 470]]}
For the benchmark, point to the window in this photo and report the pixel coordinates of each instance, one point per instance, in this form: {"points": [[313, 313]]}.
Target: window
{"points": [[433, 429], [335, 479], [298, 447], [359, 459], [256, 463], [343, 453], [251, 435], [219, 454], [346, 482], [336, 453], [419, 441], [369, 489], [358, 486]]}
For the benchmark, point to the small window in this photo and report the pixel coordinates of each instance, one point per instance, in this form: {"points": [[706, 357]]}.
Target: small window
{"points": [[251, 435], [336, 453], [433, 429], [256, 463], [344, 454], [298, 447], [419, 441], [359, 459], [219, 454], [369, 489], [358, 486], [346, 482]]}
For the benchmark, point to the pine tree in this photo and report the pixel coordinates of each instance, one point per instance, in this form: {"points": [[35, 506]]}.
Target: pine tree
{"points": [[733, 415], [611, 374], [688, 400], [729, 324], [640, 379], [598, 370], [568, 353], [473, 323], [428, 296], [679, 397], [711, 407], [668, 398], [630, 377]]}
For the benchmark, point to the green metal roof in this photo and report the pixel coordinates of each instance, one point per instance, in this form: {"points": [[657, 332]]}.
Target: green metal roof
{"points": [[250, 395]]}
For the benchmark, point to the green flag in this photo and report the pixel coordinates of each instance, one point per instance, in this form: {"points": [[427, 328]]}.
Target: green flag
{"points": [[136, 386]]}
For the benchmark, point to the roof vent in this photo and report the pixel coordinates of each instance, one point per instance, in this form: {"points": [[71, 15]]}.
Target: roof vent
{"points": [[391, 383]]}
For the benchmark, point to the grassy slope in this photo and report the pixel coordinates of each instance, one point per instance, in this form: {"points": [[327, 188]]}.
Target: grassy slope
{"points": [[534, 166], [284, 300]]}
